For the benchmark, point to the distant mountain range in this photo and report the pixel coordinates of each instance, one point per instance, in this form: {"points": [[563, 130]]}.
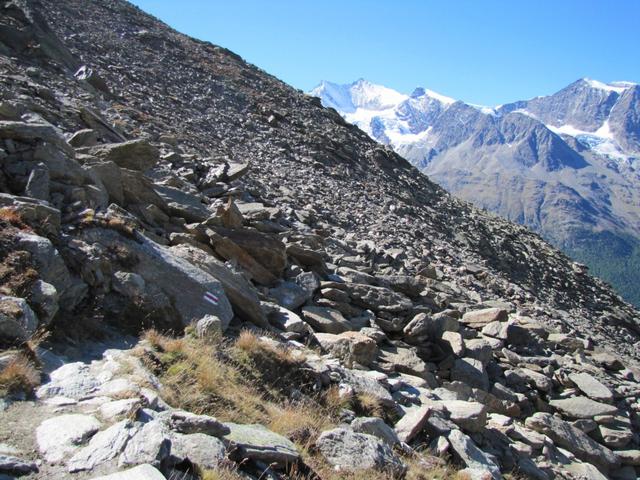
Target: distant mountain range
{"points": [[567, 165]]}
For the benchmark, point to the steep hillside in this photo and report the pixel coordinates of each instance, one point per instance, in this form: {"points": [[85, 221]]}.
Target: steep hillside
{"points": [[206, 274], [565, 165]]}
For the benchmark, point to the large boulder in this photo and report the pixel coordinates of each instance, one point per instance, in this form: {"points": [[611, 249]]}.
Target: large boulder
{"points": [[103, 446], [241, 294], [325, 320], [573, 439], [582, 407], [133, 155], [256, 442], [191, 291], [17, 320], [379, 298], [353, 348], [59, 436], [350, 451]]}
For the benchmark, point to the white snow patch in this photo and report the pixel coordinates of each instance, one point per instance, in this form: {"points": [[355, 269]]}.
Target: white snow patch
{"points": [[609, 87]]}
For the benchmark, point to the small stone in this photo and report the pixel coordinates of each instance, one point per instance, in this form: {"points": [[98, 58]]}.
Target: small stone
{"points": [[188, 423], [412, 423], [375, 426], [258, 443], [209, 326]]}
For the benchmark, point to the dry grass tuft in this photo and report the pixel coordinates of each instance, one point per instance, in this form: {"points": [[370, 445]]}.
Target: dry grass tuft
{"points": [[19, 376], [13, 217]]}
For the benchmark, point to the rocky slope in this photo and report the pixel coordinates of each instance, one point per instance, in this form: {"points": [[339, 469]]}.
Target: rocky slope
{"points": [[565, 165], [150, 180]]}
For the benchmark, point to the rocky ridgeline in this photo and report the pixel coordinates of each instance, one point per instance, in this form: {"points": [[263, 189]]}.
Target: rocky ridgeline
{"points": [[152, 181]]}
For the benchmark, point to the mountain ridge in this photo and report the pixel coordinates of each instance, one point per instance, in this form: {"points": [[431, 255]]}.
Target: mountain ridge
{"points": [[578, 149]]}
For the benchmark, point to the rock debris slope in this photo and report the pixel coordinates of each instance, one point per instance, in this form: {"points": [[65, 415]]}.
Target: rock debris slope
{"points": [[150, 180]]}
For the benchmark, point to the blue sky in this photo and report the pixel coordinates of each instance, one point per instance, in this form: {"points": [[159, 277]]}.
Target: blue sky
{"points": [[481, 51]]}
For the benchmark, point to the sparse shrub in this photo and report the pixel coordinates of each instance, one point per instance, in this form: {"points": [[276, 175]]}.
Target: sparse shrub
{"points": [[19, 376]]}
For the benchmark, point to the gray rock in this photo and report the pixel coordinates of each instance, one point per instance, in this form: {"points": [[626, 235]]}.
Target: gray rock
{"points": [[132, 155], [412, 423], [582, 407], [44, 299], [17, 321], [83, 138], [38, 183], [591, 387], [258, 443], [474, 458], [188, 423], [103, 446], [367, 382], [16, 466], [208, 326], [181, 204], [478, 348], [479, 318], [469, 416], [34, 212], [325, 320], [405, 360], [290, 295], [375, 426], [425, 327], [71, 380], [350, 451], [149, 444], [287, 320], [141, 472], [471, 372], [573, 439], [118, 408], [203, 450], [59, 436], [379, 298], [629, 457]]}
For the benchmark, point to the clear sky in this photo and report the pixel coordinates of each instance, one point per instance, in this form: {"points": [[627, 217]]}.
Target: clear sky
{"points": [[481, 51]]}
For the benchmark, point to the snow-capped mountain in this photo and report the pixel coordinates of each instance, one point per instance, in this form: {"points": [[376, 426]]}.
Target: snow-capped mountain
{"points": [[567, 164]]}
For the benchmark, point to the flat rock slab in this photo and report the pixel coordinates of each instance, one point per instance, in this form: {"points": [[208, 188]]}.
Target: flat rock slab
{"points": [[259, 443], [150, 444], [351, 451], [582, 407], [103, 446], [186, 422], [141, 472], [573, 439], [469, 416], [325, 320], [480, 318], [60, 435], [591, 387]]}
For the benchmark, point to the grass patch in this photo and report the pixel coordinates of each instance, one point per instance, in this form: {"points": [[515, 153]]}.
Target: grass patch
{"points": [[19, 376]]}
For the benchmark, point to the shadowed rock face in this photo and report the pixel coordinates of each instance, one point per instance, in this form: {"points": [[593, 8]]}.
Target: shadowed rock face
{"points": [[565, 165]]}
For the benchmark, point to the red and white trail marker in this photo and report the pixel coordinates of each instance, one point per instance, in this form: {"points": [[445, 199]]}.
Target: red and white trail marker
{"points": [[211, 298]]}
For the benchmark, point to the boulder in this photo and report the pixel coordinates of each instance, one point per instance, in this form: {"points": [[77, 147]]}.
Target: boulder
{"points": [[475, 459], [471, 372], [182, 204], [375, 426], [256, 442], [582, 407], [59, 436], [11, 465], [479, 318], [188, 423], [379, 298], [141, 472], [404, 359], [591, 387], [573, 439], [209, 326], [36, 213], [102, 447], [239, 291], [17, 321], [287, 320], [424, 327], [469, 416], [347, 451], [412, 423], [149, 444], [325, 320], [351, 347], [133, 155], [290, 295], [205, 451]]}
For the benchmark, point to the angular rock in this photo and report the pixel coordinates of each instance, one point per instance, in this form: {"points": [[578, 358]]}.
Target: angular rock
{"points": [[150, 444], [412, 423], [582, 407], [17, 321], [424, 327], [141, 472], [133, 155], [375, 426], [479, 318], [350, 451], [379, 298], [290, 295], [474, 458], [471, 372], [469, 416], [59, 436], [573, 439], [34, 212], [16, 466], [188, 423], [351, 347], [103, 446], [591, 387], [404, 359], [287, 320], [258, 443], [208, 326], [203, 450], [181, 204], [325, 320]]}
